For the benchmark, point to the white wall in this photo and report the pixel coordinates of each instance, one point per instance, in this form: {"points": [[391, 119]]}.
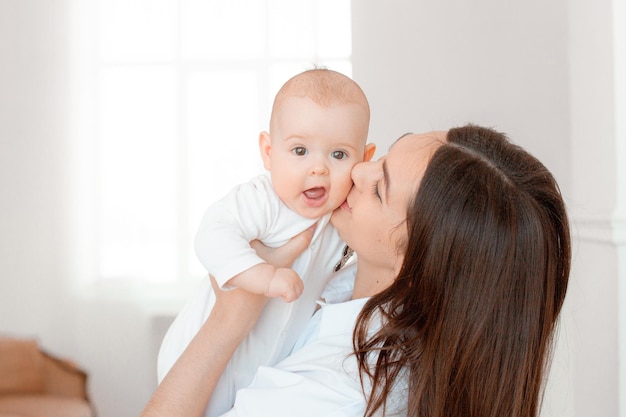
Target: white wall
{"points": [[598, 153], [433, 65], [544, 72], [113, 340], [33, 142]]}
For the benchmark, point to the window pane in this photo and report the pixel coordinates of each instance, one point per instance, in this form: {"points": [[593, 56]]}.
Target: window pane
{"points": [[226, 29], [292, 29], [334, 29], [223, 130], [137, 30], [138, 173], [343, 66], [185, 88]]}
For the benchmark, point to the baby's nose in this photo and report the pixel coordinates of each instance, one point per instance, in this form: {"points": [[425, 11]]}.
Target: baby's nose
{"points": [[319, 167]]}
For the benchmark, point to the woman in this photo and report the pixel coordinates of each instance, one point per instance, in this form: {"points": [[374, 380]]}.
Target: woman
{"points": [[463, 262]]}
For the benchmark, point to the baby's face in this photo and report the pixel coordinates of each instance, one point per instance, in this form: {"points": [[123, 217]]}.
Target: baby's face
{"points": [[311, 153]]}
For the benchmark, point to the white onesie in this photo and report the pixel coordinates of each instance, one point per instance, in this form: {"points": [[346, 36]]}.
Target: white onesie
{"points": [[252, 211]]}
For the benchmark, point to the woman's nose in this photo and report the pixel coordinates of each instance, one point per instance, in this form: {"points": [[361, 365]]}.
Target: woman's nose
{"points": [[359, 173]]}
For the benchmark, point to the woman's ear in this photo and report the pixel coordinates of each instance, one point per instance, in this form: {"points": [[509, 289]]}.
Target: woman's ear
{"points": [[368, 154], [265, 146]]}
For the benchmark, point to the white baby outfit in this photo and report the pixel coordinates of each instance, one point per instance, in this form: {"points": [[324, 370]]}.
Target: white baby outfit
{"points": [[252, 211]]}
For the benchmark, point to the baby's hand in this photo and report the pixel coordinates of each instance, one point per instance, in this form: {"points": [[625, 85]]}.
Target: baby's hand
{"points": [[286, 284]]}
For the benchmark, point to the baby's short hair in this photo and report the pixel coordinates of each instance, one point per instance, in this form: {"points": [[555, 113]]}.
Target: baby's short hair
{"points": [[324, 86]]}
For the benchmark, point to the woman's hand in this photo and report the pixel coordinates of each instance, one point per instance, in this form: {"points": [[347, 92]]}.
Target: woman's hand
{"points": [[242, 308], [246, 306], [284, 256]]}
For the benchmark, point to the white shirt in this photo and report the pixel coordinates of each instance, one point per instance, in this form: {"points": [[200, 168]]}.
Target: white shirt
{"points": [[280, 324], [319, 379]]}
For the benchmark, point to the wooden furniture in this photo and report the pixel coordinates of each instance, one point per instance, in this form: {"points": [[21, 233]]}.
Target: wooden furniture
{"points": [[36, 384]]}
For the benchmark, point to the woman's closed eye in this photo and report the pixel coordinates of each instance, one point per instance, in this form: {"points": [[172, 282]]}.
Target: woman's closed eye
{"points": [[375, 191]]}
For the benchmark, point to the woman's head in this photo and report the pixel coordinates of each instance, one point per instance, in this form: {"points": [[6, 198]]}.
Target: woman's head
{"points": [[372, 219], [485, 268]]}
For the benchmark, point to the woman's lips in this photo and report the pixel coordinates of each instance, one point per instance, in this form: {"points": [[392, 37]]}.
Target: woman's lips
{"points": [[316, 196], [345, 206]]}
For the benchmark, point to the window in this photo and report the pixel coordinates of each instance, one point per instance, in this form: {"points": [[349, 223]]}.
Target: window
{"points": [[181, 89]]}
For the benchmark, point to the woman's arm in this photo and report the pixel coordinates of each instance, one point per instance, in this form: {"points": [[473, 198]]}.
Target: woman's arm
{"points": [[187, 388], [189, 384]]}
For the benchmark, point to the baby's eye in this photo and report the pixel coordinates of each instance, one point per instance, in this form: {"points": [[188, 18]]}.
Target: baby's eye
{"points": [[339, 155], [299, 151]]}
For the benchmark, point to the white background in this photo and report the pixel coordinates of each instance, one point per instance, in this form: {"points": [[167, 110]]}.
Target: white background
{"points": [[551, 74]]}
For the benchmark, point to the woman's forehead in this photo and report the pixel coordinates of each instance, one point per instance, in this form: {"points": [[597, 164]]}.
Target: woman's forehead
{"points": [[426, 138], [407, 161], [410, 145]]}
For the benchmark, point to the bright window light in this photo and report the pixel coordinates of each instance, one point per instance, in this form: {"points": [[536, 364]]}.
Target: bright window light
{"points": [[181, 90]]}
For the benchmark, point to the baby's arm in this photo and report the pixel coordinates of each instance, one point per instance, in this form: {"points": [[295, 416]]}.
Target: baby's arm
{"points": [[270, 281]]}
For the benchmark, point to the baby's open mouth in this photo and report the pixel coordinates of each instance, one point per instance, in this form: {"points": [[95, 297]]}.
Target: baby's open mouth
{"points": [[315, 193], [315, 197]]}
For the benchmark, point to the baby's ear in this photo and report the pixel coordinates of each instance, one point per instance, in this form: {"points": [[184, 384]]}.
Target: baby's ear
{"points": [[368, 154], [265, 146]]}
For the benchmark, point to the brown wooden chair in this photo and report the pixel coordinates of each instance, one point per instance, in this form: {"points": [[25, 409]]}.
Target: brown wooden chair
{"points": [[34, 383]]}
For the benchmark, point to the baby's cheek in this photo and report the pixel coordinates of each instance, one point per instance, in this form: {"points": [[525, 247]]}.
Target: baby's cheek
{"points": [[341, 183], [343, 188]]}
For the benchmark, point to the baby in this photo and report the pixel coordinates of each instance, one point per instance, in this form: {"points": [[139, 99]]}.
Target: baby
{"points": [[318, 131]]}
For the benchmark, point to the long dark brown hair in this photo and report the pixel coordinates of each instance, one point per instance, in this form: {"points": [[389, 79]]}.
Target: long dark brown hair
{"points": [[470, 318]]}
